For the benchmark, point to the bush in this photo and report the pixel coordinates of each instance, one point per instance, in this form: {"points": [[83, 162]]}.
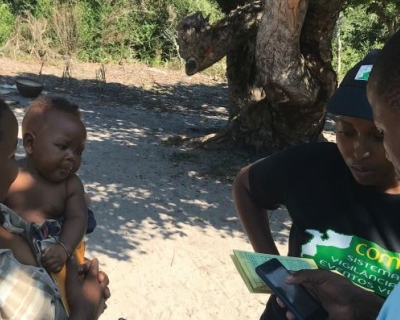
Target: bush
{"points": [[99, 30], [142, 30], [19, 6], [7, 21]]}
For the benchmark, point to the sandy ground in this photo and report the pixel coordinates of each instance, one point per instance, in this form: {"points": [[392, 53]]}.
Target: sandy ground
{"points": [[166, 220]]}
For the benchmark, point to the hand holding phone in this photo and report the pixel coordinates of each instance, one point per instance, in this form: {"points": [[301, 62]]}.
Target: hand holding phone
{"points": [[296, 298]]}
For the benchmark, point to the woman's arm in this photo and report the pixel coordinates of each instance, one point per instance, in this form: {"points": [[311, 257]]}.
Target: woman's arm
{"points": [[254, 218]]}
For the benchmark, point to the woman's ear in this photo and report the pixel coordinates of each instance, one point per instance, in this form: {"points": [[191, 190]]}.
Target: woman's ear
{"points": [[28, 140]]}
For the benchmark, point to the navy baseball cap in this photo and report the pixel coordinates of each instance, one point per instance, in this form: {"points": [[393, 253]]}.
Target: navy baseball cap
{"points": [[350, 99]]}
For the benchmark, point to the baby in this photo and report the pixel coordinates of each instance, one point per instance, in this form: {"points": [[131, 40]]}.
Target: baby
{"points": [[47, 190]]}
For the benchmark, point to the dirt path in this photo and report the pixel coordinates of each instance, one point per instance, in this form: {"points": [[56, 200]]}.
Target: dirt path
{"points": [[166, 221]]}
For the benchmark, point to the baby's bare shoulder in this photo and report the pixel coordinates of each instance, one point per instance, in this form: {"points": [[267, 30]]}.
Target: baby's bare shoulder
{"points": [[74, 184]]}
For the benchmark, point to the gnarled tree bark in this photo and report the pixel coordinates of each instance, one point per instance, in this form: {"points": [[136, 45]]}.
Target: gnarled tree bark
{"points": [[202, 45], [278, 67]]}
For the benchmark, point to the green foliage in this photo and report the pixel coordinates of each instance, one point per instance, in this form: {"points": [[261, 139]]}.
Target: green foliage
{"points": [[19, 6], [99, 30], [141, 30], [363, 25], [388, 11], [44, 8], [90, 30], [6, 22]]}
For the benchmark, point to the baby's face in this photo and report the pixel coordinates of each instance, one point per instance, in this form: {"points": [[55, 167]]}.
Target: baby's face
{"points": [[58, 147]]}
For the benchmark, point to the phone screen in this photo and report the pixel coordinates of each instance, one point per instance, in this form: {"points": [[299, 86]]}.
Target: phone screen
{"points": [[297, 298]]}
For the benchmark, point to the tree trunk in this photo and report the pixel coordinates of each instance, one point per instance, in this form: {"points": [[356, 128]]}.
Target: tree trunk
{"points": [[279, 73]]}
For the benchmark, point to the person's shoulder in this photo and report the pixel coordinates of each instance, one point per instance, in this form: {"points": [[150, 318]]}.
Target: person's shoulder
{"points": [[74, 183], [25, 177], [318, 151], [73, 179], [317, 147], [302, 159], [317, 157], [302, 153]]}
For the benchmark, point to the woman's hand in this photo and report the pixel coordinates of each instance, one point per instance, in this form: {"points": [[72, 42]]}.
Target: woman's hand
{"points": [[86, 296], [101, 276], [338, 295]]}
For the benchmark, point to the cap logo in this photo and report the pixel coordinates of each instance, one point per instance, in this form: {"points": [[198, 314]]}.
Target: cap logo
{"points": [[363, 72]]}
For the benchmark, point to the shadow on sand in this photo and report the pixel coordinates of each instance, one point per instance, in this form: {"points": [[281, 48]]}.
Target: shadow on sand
{"points": [[135, 177]]}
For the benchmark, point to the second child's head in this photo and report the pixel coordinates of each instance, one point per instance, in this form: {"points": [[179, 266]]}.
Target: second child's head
{"points": [[384, 96], [54, 138]]}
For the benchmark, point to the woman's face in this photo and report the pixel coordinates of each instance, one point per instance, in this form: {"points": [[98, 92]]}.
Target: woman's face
{"points": [[361, 146], [8, 145]]}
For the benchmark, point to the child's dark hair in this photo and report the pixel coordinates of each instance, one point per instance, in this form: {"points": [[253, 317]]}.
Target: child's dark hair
{"points": [[48, 102], [3, 107], [36, 113], [385, 75]]}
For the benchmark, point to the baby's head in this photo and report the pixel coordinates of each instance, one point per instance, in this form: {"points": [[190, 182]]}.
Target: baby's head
{"points": [[384, 83], [37, 112], [54, 137]]}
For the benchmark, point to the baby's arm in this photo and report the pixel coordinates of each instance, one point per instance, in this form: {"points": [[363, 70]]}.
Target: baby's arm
{"points": [[73, 228]]}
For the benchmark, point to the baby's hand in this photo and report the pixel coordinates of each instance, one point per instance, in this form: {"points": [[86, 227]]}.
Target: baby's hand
{"points": [[54, 257]]}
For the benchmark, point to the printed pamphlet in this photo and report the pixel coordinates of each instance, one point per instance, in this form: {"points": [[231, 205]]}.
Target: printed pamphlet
{"points": [[246, 263]]}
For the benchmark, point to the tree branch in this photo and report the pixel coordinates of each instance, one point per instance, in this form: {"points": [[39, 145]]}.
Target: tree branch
{"points": [[378, 10], [202, 45]]}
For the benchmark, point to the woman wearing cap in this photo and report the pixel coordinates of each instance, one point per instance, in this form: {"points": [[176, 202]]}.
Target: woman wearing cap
{"points": [[343, 198]]}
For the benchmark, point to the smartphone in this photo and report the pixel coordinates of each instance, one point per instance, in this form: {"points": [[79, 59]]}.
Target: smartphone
{"points": [[296, 298]]}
